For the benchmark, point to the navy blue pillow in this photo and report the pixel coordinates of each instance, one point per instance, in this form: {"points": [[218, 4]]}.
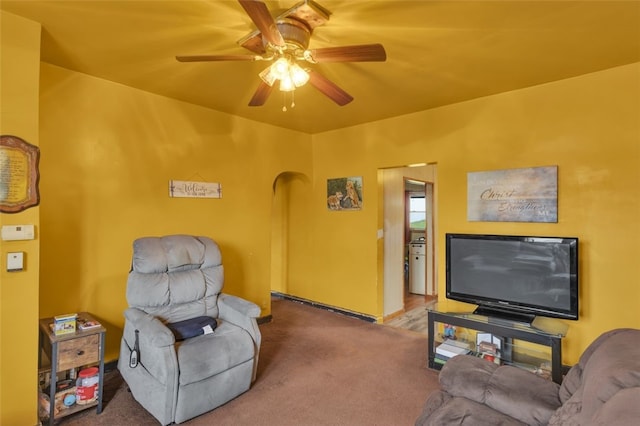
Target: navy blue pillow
{"points": [[191, 327]]}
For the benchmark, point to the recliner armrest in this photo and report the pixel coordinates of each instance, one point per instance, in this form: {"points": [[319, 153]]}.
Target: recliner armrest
{"points": [[157, 356], [507, 389], [241, 306], [150, 328], [242, 313]]}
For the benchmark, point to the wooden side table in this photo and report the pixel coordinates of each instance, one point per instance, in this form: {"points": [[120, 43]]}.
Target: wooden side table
{"points": [[68, 351]]}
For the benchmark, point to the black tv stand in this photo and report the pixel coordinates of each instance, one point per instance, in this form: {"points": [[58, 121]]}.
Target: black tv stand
{"points": [[497, 314], [510, 333]]}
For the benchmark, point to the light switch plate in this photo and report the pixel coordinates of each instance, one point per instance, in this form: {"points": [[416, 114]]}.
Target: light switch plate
{"points": [[17, 232], [15, 261]]}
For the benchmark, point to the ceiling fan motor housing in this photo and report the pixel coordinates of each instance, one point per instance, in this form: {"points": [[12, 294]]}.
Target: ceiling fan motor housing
{"points": [[295, 34], [307, 13]]}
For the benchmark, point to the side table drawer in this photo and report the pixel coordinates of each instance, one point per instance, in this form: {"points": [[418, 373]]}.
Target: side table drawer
{"points": [[76, 352]]}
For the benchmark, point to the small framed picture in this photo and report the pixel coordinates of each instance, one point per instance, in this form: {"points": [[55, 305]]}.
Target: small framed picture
{"points": [[344, 193], [488, 340]]}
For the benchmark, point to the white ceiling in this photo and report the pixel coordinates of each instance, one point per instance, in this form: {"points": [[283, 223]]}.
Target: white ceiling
{"points": [[438, 52]]}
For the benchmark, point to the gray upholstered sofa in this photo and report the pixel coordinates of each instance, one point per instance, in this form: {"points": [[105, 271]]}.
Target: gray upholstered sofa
{"points": [[602, 389], [173, 279]]}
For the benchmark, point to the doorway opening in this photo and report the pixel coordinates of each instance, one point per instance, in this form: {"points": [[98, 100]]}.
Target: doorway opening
{"points": [[419, 289], [408, 216], [418, 239]]}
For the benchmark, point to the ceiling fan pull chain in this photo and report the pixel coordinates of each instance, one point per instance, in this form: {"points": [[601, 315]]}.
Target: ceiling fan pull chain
{"points": [[284, 100]]}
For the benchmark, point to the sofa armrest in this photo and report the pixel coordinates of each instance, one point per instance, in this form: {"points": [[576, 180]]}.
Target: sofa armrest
{"points": [[435, 400], [506, 389], [467, 376], [621, 409]]}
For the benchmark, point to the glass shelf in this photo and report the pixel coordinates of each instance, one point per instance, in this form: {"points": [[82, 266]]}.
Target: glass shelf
{"points": [[548, 326]]}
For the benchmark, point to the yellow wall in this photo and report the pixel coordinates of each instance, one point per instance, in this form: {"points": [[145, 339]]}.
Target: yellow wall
{"points": [[588, 126], [19, 73], [108, 153]]}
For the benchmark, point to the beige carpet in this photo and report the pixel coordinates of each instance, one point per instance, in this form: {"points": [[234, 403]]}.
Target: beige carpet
{"points": [[316, 368]]}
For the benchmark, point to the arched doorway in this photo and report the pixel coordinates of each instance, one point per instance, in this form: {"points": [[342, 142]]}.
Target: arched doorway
{"points": [[286, 186]]}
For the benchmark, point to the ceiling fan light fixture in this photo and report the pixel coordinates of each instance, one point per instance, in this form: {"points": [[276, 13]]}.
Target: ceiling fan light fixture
{"points": [[299, 76], [267, 76], [286, 84], [290, 74], [280, 68]]}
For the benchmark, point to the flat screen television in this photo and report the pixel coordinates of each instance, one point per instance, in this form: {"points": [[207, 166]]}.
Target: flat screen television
{"points": [[513, 276]]}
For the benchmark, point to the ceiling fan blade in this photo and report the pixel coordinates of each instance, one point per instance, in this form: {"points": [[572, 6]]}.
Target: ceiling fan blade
{"points": [[211, 58], [329, 88], [260, 16], [358, 53], [261, 94]]}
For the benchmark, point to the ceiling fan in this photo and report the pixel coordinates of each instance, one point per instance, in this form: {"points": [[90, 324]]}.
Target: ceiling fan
{"points": [[284, 42]]}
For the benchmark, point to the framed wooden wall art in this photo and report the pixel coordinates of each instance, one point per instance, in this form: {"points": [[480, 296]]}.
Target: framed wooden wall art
{"points": [[19, 174]]}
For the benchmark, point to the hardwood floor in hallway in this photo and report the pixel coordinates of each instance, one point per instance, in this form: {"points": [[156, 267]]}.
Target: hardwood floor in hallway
{"points": [[414, 317], [413, 301]]}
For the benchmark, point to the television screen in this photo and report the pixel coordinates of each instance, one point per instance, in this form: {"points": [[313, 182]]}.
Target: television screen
{"points": [[514, 274]]}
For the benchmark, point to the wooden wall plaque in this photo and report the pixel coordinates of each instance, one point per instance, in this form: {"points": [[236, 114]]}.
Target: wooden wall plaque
{"points": [[19, 174]]}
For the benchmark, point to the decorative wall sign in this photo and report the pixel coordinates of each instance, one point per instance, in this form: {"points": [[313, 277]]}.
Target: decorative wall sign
{"points": [[190, 189], [19, 174], [344, 193], [514, 195]]}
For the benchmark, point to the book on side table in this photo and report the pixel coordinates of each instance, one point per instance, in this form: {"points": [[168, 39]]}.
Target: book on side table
{"points": [[87, 324]]}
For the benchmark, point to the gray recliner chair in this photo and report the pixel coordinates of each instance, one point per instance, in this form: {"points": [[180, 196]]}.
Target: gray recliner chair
{"points": [[172, 279]]}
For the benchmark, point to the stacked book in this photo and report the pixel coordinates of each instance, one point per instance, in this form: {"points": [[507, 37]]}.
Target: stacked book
{"points": [[64, 324], [450, 348], [87, 324]]}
